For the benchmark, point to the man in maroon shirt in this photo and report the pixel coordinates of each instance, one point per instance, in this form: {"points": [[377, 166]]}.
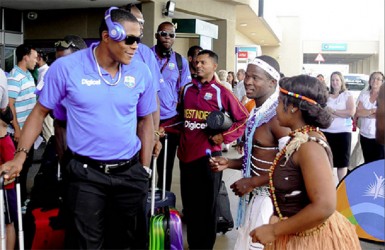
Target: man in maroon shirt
{"points": [[199, 185]]}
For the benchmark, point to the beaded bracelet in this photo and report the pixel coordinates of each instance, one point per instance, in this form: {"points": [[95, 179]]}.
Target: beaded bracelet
{"points": [[21, 150]]}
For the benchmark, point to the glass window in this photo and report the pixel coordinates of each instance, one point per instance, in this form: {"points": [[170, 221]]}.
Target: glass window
{"points": [[12, 20], [9, 58]]}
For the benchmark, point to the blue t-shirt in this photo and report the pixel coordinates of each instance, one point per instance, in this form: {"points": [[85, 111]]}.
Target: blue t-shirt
{"points": [[169, 89], [101, 119], [144, 54]]}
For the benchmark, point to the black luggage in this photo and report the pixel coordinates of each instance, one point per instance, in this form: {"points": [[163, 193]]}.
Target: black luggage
{"points": [[45, 217], [225, 220]]}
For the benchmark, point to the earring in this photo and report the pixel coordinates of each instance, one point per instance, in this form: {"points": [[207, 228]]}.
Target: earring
{"points": [[292, 110]]}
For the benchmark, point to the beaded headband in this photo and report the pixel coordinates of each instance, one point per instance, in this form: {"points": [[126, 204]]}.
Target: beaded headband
{"points": [[266, 67], [298, 96]]}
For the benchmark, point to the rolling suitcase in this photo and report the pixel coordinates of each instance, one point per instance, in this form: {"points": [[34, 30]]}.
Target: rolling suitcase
{"points": [[2, 215], [165, 223], [163, 198]]}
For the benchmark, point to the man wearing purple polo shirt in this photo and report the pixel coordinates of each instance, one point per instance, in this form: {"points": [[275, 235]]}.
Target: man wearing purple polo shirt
{"points": [[109, 99], [175, 76]]}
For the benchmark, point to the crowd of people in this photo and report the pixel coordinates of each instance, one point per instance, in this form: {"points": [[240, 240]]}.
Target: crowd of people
{"points": [[109, 105]]}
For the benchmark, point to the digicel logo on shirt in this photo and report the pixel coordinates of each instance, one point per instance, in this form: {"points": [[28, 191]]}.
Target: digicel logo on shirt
{"points": [[195, 114]]}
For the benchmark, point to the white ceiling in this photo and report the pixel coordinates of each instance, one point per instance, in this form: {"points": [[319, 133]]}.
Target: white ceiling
{"points": [[61, 4]]}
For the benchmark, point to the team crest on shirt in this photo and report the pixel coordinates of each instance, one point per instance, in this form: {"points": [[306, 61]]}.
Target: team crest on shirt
{"points": [[208, 96], [171, 66], [129, 81]]}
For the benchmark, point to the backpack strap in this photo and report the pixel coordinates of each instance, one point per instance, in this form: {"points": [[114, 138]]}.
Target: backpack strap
{"points": [[179, 63]]}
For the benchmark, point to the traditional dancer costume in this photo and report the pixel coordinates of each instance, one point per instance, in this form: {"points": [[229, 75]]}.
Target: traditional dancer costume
{"points": [[257, 211]]}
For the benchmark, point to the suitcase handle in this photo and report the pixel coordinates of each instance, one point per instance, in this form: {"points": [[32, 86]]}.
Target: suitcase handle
{"points": [[164, 167]]}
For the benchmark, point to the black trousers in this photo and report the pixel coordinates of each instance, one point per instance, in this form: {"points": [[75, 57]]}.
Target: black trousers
{"points": [[107, 211], [199, 190], [173, 142], [371, 149]]}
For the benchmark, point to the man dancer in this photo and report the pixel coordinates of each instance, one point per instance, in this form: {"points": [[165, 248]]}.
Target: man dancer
{"points": [[109, 99], [263, 137]]}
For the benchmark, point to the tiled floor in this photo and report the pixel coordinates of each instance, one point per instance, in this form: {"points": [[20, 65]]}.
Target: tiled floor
{"points": [[223, 242]]}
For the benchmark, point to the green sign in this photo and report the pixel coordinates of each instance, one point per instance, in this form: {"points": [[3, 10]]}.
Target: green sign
{"points": [[334, 46]]}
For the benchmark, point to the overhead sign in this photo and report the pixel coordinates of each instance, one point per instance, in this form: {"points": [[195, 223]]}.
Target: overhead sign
{"points": [[334, 46], [319, 58]]}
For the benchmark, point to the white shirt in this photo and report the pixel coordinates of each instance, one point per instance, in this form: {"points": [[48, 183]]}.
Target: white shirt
{"points": [[339, 124], [368, 125]]}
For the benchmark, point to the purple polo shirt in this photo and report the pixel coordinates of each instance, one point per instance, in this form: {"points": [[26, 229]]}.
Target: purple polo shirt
{"points": [[101, 119], [169, 89], [144, 54]]}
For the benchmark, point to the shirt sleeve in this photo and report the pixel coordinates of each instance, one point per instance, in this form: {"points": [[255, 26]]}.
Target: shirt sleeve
{"points": [[147, 100], [13, 88], [238, 113], [186, 74], [54, 86]]}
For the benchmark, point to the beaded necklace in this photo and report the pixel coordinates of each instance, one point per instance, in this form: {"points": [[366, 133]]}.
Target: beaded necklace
{"points": [[304, 130]]}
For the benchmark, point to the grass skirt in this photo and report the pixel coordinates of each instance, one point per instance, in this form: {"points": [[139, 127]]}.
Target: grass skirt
{"points": [[335, 233]]}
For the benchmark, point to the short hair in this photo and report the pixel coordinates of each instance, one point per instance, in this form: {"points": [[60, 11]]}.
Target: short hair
{"points": [[242, 71], [343, 84], [77, 41], [222, 75], [119, 16], [210, 53], [192, 49], [320, 75], [42, 55], [313, 114], [23, 50], [165, 23]]}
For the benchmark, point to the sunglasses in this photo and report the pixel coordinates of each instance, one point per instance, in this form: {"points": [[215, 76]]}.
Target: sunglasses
{"points": [[130, 40], [165, 34], [64, 44]]}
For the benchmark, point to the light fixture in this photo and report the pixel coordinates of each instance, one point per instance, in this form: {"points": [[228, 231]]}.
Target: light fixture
{"points": [[32, 15], [243, 24], [169, 9]]}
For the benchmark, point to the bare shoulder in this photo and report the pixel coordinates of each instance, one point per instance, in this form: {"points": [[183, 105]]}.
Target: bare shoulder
{"points": [[277, 130]]}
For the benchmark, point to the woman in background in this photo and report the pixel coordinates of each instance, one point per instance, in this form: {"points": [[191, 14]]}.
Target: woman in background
{"points": [[231, 79], [366, 112], [339, 135]]}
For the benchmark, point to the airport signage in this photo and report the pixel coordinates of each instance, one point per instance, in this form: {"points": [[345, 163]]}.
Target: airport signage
{"points": [[334, 46]]}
